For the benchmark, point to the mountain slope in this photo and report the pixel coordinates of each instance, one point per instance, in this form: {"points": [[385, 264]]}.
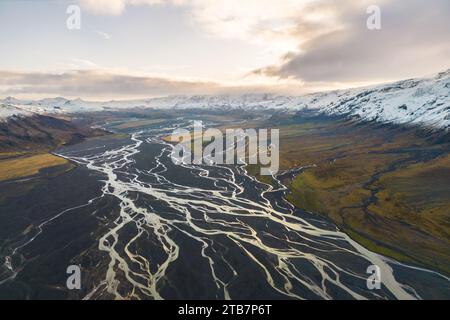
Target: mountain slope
{"points": [[416, 101], [39, 132]]}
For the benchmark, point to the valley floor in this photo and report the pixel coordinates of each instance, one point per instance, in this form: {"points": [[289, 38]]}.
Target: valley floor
{"points": [[384, 186], [387, 187]]}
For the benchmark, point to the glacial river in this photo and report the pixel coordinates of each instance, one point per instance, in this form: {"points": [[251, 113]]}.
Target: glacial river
{"points": [[213, 231]]}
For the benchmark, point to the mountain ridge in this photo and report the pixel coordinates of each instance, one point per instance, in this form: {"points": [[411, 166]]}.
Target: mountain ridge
{"points": [[420, 101]]}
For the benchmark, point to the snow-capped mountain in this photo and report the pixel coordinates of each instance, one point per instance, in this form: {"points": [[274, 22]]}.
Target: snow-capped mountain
{"points": [[423, 101], [49, 106]]}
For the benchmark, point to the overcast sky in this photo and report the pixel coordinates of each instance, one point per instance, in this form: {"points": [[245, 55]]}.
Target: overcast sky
{"points": [[144, 48]]}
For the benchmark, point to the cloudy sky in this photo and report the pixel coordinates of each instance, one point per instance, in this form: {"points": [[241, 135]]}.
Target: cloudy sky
{"points": [[144, 48]]}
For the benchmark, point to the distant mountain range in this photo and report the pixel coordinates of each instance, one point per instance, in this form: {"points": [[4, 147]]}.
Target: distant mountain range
{"points": [[421, 101]]}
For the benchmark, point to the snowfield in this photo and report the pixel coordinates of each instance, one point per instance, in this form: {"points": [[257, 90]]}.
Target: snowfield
{"points": [[423, 101]]}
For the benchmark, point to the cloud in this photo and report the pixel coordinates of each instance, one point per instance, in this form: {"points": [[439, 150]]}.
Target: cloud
{"points": [[413, 41], [324, 40], [82, 64], [106, 7], [94, 83], [258, 21], [116, 7], [100, 84], [104, 35], [265, 22]]}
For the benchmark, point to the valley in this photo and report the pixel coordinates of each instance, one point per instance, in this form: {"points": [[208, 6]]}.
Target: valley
{"points": [[363, 180], [147, 228]]}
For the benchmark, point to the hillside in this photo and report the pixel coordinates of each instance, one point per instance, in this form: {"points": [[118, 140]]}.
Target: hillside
{"points": [[39, 132]]}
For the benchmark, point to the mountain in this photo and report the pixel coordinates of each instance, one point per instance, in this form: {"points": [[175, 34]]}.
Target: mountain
{"points": [[422, 101]]}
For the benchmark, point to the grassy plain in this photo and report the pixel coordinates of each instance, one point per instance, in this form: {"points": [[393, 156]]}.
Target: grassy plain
{"points": [[24, 166]]}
